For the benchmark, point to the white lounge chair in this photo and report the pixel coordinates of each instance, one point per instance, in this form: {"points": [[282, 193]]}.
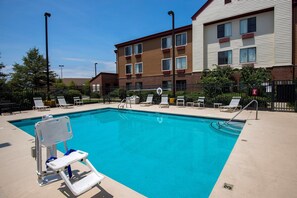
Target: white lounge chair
{"points": [[62, 103], [164, 101], [52, 131], [199, 102], [180, 100], [39, 105], [234, 104], [77, 101], [149, 100]]}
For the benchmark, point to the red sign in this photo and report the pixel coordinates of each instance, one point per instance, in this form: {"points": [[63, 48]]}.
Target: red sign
{"points": [[255, 92]]}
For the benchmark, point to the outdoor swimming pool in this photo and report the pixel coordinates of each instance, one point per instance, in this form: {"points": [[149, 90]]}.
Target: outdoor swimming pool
{"points": [[158, 155]]}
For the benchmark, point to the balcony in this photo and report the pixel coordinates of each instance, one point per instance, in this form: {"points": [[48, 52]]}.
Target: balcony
{"points": [[128, 57], [128, 76], [138, 75], [248, 35], [137, 55]]}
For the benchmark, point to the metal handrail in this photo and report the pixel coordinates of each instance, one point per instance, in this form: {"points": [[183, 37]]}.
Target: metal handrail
{"points": [[121, 103], [244, 109]]}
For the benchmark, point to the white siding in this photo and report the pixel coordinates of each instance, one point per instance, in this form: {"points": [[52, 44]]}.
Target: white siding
{"points": [[263, 41], [273, 38]]}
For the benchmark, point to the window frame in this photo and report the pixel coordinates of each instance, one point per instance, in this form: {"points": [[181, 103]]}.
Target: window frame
{"points": [[135, 66], [169, 65], [170, 37], [136, 45], [130, 46], [227, 57], [186, 35], [247, 23], [179, 57], [224, 24], [126, 69], [248, 61]]}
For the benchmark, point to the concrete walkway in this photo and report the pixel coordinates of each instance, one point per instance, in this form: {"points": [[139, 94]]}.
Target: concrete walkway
{"points": [[262, 164]]}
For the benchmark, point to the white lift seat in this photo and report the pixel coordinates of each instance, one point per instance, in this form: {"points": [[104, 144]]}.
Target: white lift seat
{"points": [[53, 131]]}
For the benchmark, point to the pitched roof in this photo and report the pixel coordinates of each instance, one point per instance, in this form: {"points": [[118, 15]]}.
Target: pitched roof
{"points": [[77, 81], [201, 9], [102, 73]]}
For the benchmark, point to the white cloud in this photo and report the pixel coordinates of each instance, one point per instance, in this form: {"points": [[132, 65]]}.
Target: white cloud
{"points": [[75, 59]]}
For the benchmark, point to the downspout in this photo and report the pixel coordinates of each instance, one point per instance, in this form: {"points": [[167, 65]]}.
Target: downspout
{"points": [[294, 2]]}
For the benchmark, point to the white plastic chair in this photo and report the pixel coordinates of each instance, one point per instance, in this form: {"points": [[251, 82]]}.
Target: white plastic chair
{"points": [[180, 100], [62, 103], [164, 101], [234, 104], [200, 102], [149, 100], [39, 105]]}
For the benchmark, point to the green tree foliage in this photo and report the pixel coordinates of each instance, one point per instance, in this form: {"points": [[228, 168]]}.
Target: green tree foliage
{"points": [[72, 85], [2, 76], [32, 74], [86, 90], [216, 80], [254, 77]]}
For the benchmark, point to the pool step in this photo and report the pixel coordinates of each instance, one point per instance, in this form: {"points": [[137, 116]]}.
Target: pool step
{"points": [[232, 128]]}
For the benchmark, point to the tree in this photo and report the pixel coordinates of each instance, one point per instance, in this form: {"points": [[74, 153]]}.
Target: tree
{"points": [[32, 74], [254, 77], [2, 76], [216, 80]]}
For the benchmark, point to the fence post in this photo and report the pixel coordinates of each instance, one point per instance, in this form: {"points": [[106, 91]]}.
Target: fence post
{"points": [[272, 96]]}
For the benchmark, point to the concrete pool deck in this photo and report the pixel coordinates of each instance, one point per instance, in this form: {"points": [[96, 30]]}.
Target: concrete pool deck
{"points": [[262, 164]]}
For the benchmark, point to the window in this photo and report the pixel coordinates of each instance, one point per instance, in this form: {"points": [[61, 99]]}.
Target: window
{"points": [[166, 64], [248, 55], [129, 69], [181, 39], [181, 85], [94, 87], [138, 68], [138, 85], [128, 86], [128, 50], [224, 30], [181, 63], [225, 57], [166, 42], [248, 25], [138, 48], [227, 1], [166, 84]]}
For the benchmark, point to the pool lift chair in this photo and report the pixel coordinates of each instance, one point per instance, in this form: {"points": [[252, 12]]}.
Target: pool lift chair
{"points": [[48, 133]]}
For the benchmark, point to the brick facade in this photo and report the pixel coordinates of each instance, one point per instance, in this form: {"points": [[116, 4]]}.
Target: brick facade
{"points": [[104, 82], [151, 58]]}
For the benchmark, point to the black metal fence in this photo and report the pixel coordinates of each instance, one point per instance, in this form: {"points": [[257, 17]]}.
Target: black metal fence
{"points": [[274, 95]]}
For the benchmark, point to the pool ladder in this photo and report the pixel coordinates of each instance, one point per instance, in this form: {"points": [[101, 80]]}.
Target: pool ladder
{"points": [[230, 126], [244, 109], [124, 103]]}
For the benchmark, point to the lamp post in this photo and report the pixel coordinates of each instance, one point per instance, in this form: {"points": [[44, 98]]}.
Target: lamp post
{"points": [[171, 13], [61, 66], [46, 15], [96, 69]]}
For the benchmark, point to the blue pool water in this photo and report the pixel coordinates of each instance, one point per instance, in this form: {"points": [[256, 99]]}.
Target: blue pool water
{"points": [[158, 155]]}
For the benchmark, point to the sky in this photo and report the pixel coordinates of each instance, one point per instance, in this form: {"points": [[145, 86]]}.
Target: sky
{"points": [[83, 32]]}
